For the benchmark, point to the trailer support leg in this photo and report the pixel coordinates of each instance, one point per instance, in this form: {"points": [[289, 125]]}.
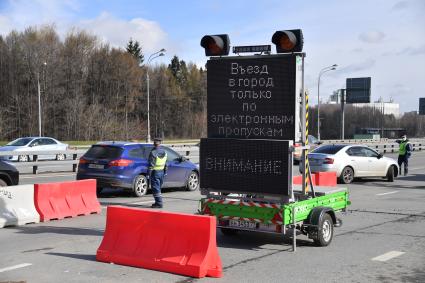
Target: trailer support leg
{"points": [[294, 231]]}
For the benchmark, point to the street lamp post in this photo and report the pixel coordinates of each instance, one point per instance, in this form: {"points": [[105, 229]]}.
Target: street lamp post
{"points": [[151, 57], [39, 101], [322, 71]]}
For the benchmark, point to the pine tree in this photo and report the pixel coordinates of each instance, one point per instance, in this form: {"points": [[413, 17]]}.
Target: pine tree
{"points": [[135, 49]]}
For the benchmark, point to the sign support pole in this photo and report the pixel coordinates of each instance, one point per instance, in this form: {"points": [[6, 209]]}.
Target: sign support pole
{"points": [[304, 121]]}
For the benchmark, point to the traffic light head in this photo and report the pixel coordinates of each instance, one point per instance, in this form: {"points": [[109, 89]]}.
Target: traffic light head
{"points": [[288, 41], [216, 45]]}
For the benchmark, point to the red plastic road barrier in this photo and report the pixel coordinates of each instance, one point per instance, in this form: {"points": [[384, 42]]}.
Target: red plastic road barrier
{"points": [[172, 242], [66, 199], [298, 180], [327, 179]]}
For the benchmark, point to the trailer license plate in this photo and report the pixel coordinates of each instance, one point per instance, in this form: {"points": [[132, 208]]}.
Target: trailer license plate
{"points": [[96, 166], [242, 224]]}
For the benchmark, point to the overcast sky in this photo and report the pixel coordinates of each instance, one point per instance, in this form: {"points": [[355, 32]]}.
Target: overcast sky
{"points": [[382, 39]]}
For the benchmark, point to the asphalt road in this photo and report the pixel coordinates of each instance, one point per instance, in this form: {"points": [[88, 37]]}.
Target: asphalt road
{"points": [[382, 240]]}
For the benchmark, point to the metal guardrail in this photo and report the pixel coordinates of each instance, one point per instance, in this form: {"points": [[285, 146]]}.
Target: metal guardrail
{"points": [[190, 151], [73, 156], [383, 145], [36, 163]]}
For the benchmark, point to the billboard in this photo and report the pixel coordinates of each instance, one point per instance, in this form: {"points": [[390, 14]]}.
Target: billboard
{"points": [[245, 166], [422, 106], [253, 97], [358, 90]]}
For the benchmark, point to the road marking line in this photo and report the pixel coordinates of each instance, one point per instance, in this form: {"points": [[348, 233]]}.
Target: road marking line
{"points": [[389, 193], [416, 168], [388, 256], [15, 267]]}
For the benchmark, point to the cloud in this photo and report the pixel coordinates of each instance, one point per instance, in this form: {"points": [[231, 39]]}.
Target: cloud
{"points": [[399, 90], [358, 67], [357, 50], [413, 51], [117, 32], [372, 36], [20, 14], [400, 6]]}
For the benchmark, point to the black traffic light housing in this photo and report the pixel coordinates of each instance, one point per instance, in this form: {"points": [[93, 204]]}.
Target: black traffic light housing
{"points": [[288, 41], [216, 45]]}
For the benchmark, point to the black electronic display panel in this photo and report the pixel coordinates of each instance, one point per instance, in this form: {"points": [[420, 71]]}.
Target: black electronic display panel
{"points": [[252, 97], [245, 166], [422, 106], [358, 90]]}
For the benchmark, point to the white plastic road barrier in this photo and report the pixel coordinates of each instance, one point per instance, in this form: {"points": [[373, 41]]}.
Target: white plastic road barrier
{"points": [[17, 206]]}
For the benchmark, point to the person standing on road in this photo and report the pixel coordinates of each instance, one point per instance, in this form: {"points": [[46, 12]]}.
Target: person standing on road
{"points": [[404, 152], [156, 171]]}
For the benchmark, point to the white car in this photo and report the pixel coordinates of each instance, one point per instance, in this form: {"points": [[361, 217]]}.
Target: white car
{"points": [[23, 145], [352, 161]]}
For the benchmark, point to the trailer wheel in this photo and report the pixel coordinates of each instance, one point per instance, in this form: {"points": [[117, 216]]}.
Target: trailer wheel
{"points": [[228, 232], [325, 231]]}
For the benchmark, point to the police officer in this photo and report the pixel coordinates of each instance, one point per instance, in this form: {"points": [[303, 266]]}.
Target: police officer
{"points": [[156, 171], [404, 152]]}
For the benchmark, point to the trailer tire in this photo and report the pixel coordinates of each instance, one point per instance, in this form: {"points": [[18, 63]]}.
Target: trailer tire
{"points": [[325, 231], [228, 232]]}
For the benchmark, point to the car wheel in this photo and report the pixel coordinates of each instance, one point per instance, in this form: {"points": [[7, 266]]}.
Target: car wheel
{"points": [[2, 183], [347, 175], [390, 174], [140, 186], [325, 232], [193, 181], [60, 156], [23, 158]]}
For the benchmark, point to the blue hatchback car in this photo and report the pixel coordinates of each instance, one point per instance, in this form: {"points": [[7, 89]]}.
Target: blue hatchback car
{"points": [[125, 165]]}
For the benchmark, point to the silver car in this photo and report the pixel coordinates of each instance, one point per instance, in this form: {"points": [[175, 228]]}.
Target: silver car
{"points": [[24, 145], [352, 161]]}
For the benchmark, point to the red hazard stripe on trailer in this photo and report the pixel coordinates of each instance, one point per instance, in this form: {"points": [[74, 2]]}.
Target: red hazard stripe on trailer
{"points": [[243, 203], [277, 218]]}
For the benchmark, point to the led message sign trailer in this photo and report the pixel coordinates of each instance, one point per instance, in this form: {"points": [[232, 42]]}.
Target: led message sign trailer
{"points": [[245, 166], [252, 97]]}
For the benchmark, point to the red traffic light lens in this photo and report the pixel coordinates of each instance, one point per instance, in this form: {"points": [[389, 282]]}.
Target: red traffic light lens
{"points": [[288, 41], [216, 45]]}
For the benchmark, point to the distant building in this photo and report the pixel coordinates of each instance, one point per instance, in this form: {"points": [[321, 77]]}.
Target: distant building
{"points": [[334, 98], [388, 108]]}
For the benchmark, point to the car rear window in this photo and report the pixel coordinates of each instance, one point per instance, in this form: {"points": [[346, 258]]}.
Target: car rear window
{"points": [[328, 149], [104, 152]]}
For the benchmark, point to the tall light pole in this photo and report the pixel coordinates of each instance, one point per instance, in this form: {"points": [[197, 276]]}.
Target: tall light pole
{"points": [[322, 71], [151, 57], [39, 101]]}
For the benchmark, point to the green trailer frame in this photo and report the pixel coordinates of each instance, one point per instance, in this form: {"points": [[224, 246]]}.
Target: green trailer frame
{"points": [[241, 212]]}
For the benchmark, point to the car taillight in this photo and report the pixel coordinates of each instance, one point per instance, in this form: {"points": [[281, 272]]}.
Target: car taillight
{"points": [[83, 161], [121, 162], [328, 161], [297, 144]]}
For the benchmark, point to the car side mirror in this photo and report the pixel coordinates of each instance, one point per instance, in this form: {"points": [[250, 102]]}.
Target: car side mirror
{"points": [[380, 155], [319, 142], [182, 159]]}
